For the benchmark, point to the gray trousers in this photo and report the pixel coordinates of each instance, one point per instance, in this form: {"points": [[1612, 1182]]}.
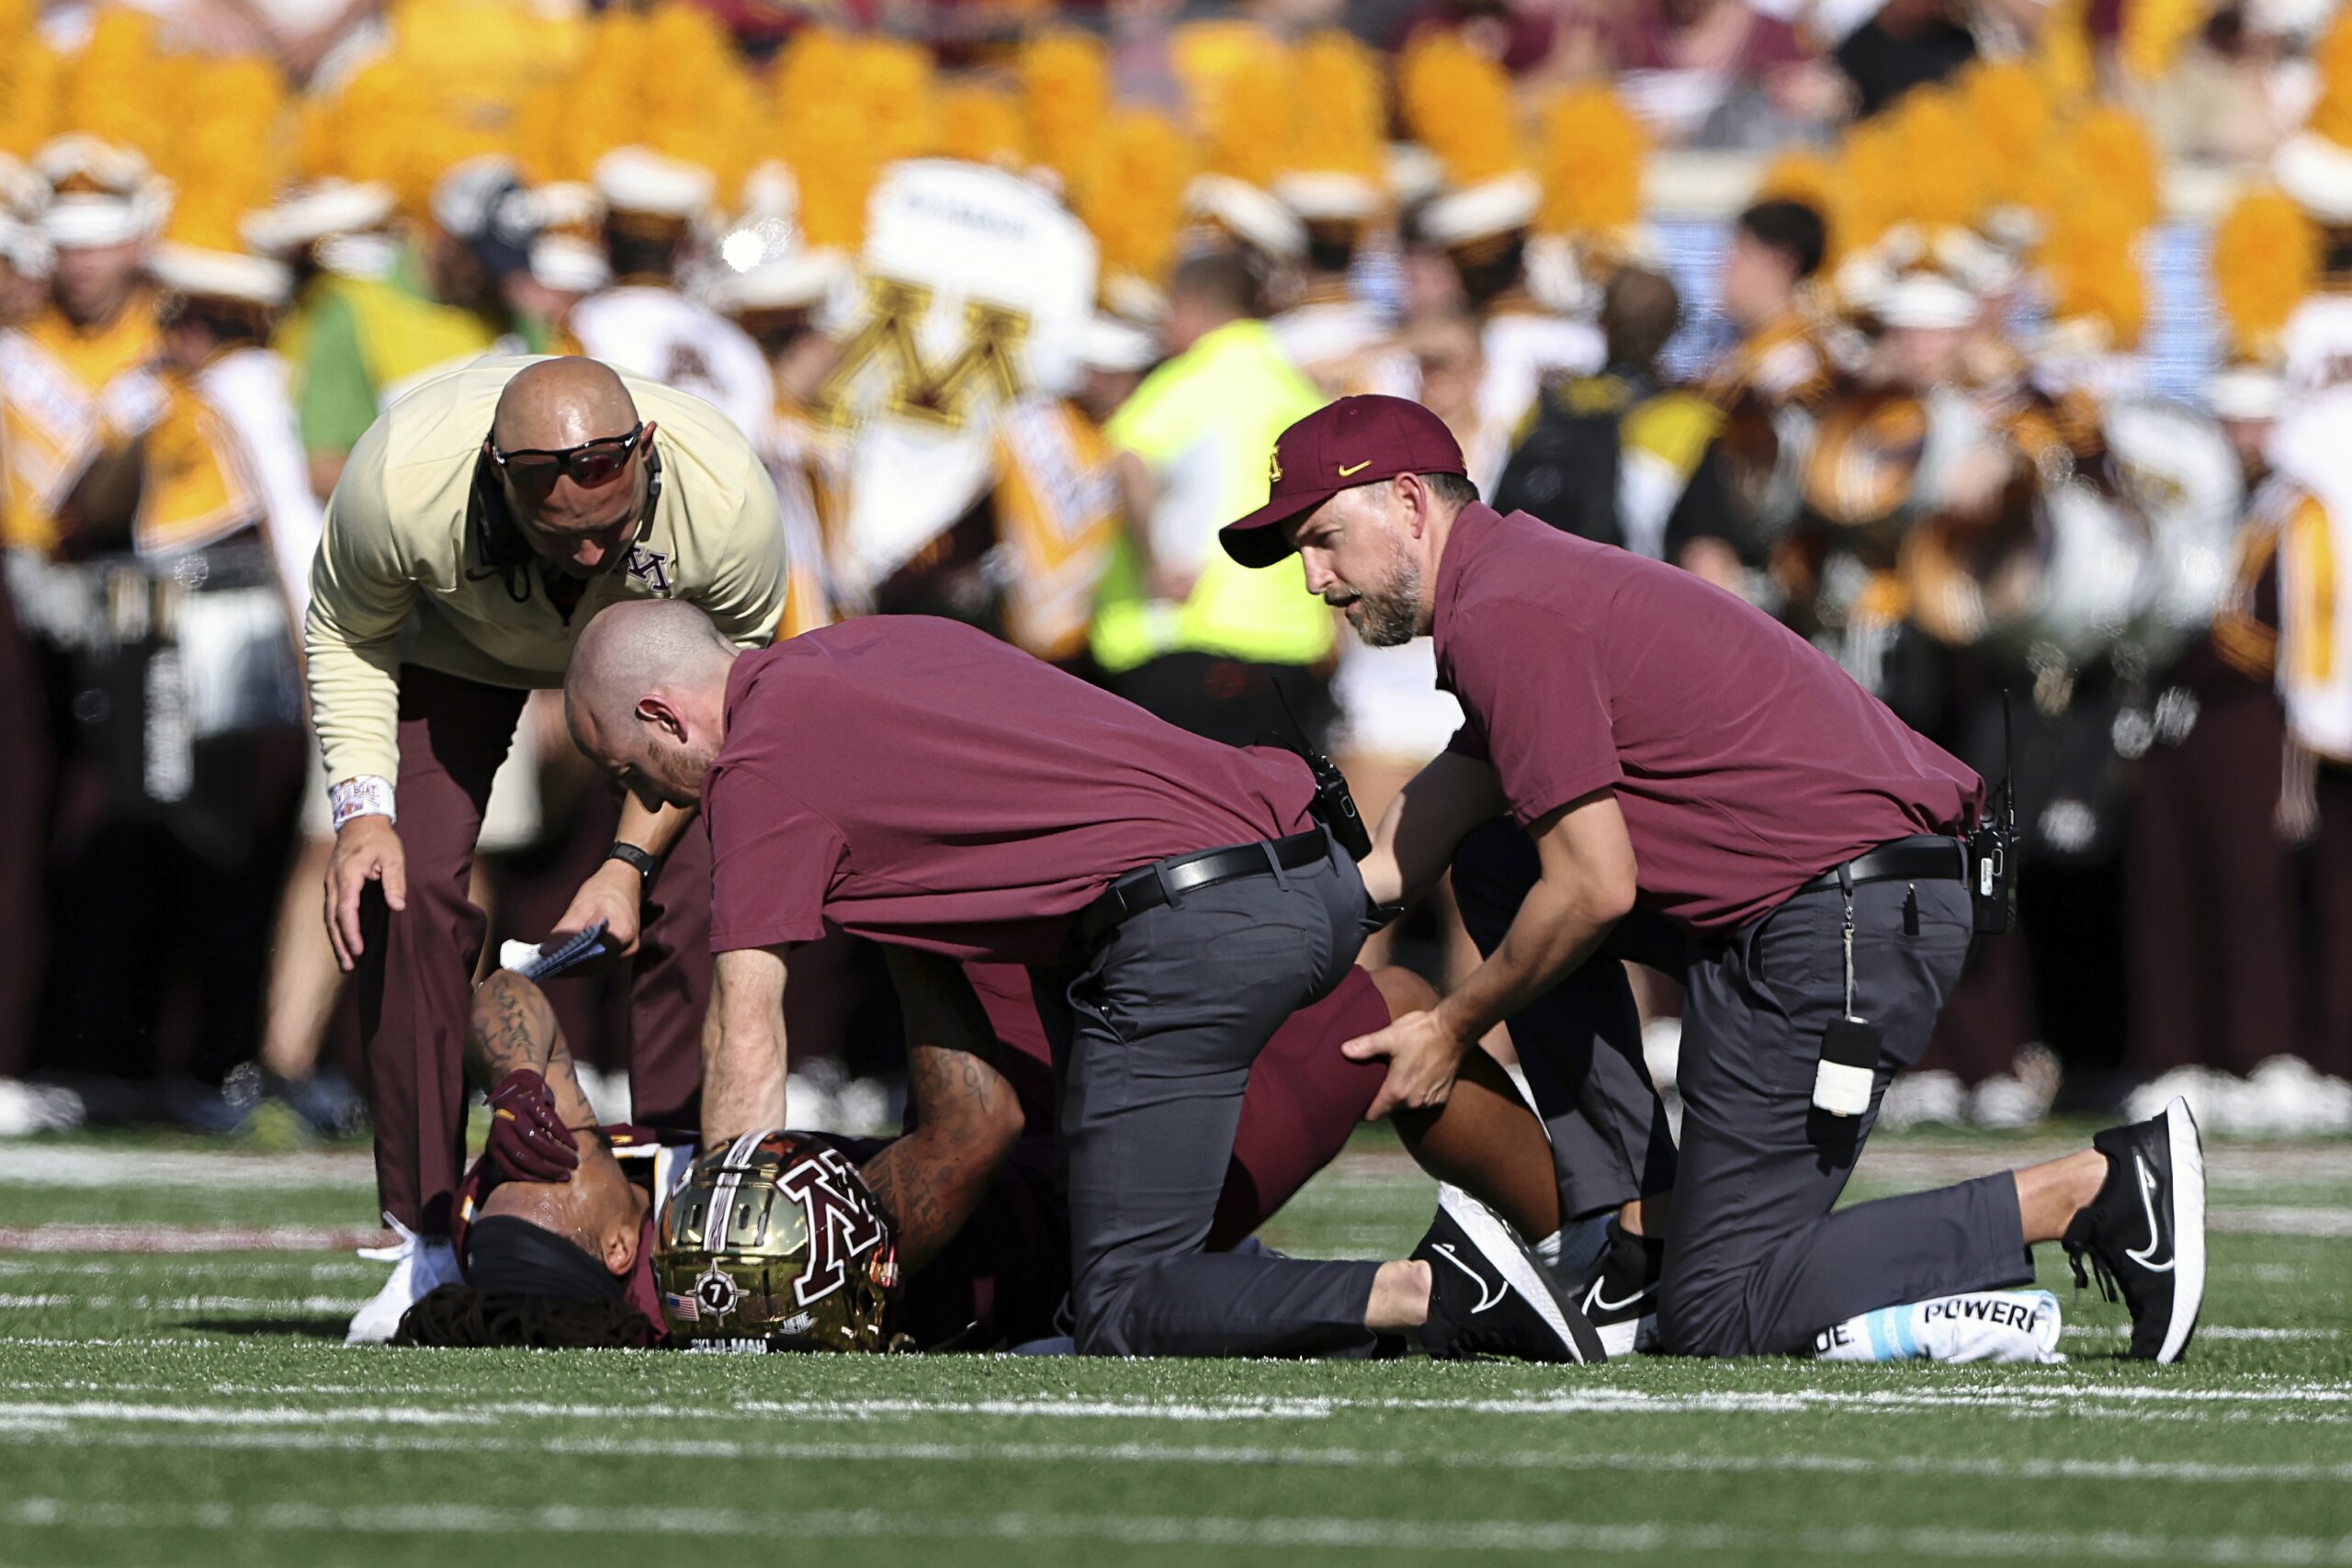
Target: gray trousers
{"points": [[1153, 1039], [1755, 1261]]}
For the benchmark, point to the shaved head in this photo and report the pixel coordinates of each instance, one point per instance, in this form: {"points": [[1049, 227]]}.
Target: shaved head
{"points": [[557, 403], [646, 697], [553, 405]]}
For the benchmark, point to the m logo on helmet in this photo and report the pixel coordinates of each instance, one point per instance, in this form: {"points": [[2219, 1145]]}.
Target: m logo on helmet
{"points": [[840, 1229], [1275, 465]]}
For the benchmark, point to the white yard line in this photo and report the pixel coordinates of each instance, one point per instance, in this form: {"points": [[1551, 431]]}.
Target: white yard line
{"points": [[2206, 1331], [2294, 1402], [35, 1431], [43, 1165], [241, 1267], [2279, 1219], [67, 1236], [51, 1302], [1550, 1536]]}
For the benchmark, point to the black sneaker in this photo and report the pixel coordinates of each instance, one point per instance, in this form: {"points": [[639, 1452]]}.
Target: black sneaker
{"points": [[1622, 1300], [1488, 1296], [2145, 1233]]}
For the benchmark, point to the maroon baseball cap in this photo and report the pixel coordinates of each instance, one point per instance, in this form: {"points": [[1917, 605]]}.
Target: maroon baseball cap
{"points": [[1356, 441]]}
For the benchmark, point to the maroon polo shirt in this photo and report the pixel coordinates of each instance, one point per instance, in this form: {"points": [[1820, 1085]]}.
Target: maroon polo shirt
{"points": [[1746, 762], [918, 782]]}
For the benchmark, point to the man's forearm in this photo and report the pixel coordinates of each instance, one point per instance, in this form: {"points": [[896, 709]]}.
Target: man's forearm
{"points": [[653, 831], [967, 1118], [931, 1180], [354, 693], [1555, 930], [511, 1026], [743, 1045], [1419, 831]]}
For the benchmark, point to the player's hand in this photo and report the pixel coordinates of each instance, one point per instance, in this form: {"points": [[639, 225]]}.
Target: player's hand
{"points": [[366, 850], [528, 1141], [1423, 1056], [612, 895]]}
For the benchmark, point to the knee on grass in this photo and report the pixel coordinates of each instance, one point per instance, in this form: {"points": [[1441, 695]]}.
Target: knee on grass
{"points": [[1103, 1312], [1711, 1318]]}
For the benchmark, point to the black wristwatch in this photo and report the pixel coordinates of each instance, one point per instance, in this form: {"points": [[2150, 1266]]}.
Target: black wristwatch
{"points": [[649, 865]]}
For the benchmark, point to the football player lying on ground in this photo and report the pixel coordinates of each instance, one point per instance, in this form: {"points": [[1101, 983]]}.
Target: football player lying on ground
{"points": [[557, 1224]]}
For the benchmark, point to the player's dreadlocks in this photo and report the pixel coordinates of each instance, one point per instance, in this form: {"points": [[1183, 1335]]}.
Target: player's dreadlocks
{"points": [[461, 1317]]}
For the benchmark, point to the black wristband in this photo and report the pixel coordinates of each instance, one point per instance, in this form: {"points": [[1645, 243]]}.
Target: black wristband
{"points": [[649, 865]]}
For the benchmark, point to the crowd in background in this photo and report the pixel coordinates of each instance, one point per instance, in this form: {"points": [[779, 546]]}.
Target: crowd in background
{"points": [[1892, 390]]}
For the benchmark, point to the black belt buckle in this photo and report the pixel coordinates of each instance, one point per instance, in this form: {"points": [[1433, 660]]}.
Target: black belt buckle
{"points": [[1107, 913]]}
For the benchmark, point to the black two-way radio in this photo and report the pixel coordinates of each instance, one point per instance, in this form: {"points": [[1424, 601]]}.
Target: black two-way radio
{"points": [[1992, 845], [1334, 805]]}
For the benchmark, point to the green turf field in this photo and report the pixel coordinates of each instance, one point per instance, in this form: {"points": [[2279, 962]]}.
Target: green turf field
{"points": [[195, 1408]]}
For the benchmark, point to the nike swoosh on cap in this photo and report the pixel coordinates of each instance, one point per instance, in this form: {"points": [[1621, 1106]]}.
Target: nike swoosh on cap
{"points": [[1357, 469]]}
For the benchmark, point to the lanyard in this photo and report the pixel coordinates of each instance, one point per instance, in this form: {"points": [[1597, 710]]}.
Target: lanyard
{"points": [[1846, 893]]}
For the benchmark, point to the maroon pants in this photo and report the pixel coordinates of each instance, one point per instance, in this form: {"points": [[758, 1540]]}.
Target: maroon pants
{"points": [[2210, 895], [417, 974]]}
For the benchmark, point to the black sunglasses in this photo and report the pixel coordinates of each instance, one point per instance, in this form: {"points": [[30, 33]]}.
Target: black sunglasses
{"points": [[592, 465]]}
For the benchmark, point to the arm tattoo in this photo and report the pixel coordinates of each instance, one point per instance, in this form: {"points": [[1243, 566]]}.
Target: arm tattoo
{"points": [[511, 1027], [931, 1180], [966, 1118]]}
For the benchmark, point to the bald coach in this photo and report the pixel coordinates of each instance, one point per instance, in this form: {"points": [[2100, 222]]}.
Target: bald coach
{"points": [[481, 522]]}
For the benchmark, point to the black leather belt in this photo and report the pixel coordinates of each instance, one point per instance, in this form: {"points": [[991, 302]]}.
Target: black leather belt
{"points": [[1929, 857], [1148, 886]]}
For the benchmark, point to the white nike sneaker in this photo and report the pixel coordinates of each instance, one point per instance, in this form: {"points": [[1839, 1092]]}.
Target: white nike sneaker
{"points": [[421, 1265]]}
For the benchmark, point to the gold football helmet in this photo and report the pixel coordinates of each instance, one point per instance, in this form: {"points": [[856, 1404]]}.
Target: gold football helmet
{"points": [[776, 1242]]}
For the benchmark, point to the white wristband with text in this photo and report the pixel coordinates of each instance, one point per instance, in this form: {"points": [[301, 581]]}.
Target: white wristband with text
{"points": [[365, 795]]}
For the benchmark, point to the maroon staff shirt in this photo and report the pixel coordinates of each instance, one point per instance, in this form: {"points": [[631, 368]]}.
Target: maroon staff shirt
{"points": [[918, 782], [1744, 760]]}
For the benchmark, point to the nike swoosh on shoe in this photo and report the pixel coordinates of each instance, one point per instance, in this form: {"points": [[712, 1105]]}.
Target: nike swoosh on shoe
{"points": [[1491, 1291], [2145, 1257], [1596, 1303]]}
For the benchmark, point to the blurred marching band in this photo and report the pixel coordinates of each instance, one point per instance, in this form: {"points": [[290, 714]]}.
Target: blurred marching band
{"points": [[1013, 315]]}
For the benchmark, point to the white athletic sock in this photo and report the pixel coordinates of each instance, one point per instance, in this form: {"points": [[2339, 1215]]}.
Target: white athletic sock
{"points": [[1983, 1326]]}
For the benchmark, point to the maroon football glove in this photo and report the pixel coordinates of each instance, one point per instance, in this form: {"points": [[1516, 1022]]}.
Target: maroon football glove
{"points": [[528, 1141]]}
